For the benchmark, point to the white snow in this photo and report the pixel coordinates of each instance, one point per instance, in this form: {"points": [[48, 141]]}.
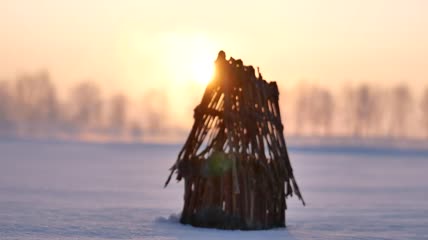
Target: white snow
{"points": [[54, 190]]}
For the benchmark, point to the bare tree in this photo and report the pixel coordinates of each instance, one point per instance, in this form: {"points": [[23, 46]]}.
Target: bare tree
{"points": [[86, 106], [346, 117], [302, 109], [364, 104], [117, 115], [321, 110], [314, 110], [401, 103], [36, 99], [424, 110], [136, 131], [155, 104], [6, 118]]}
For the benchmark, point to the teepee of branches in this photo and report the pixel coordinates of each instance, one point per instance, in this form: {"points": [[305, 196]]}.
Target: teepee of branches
{"points": [[235, 164]]}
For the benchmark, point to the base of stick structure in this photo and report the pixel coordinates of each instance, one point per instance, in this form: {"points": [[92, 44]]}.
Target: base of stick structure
{"points": [[220, 220], [210, 203]]}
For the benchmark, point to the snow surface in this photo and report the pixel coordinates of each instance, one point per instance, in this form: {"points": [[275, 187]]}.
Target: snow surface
{"points": [[54, 190]]}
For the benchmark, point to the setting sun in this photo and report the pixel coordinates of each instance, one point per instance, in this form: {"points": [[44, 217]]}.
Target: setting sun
{"points": [[189, 57], [202, 68]]}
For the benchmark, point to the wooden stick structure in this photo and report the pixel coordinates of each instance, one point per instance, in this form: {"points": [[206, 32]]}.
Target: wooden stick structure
{"points": [[236, 169]]}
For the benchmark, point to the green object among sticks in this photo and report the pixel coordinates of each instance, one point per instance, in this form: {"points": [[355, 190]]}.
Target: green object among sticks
{"points": [[217, 164]]}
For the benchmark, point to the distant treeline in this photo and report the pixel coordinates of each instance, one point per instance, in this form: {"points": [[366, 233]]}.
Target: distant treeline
{"points": [[31, 108], [358, 111]]}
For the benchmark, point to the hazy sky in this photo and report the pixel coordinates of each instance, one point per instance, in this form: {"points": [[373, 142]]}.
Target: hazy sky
{"points": [[136, 45]]}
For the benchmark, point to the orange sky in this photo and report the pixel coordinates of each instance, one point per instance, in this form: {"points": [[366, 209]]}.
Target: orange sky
{"points": [[131, 46]]}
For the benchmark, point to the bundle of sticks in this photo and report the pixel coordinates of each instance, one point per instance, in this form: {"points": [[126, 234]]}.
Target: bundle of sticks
{"points": [[236, 169]]}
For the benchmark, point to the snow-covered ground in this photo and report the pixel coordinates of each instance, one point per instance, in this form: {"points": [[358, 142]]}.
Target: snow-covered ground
{"points": [[115, 191]]}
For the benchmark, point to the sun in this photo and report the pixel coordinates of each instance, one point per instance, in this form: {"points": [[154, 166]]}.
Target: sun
{"points": [[201, 59], [189, 57], [202, 68]]}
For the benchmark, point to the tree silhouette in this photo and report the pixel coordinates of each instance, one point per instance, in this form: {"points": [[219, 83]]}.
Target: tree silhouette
{"points": [[6, 101], [363, 103], [401, 103], [117, 115], [36, 99], [86, 106], [424, 110], [321, 110], [136, 131], [155, 105], [314, 110], [302, 109]]}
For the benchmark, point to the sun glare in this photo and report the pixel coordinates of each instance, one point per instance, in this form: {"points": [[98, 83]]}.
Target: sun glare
{"points": [[190, 57], [202, 68]]}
